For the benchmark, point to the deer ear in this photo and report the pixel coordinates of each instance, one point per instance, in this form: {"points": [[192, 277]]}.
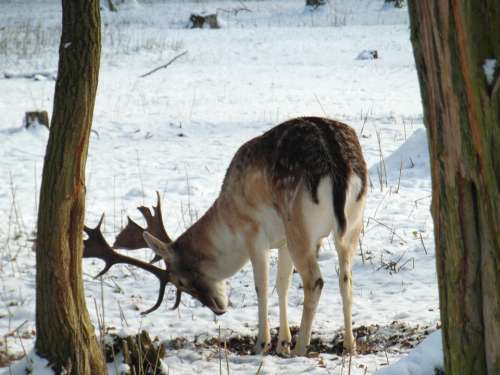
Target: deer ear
{"points": [[159, 247]]}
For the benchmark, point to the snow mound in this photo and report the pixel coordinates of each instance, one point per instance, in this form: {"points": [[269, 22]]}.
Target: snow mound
{"points": [[412, 157], [31, 364], [423, 360], [368, 54]]}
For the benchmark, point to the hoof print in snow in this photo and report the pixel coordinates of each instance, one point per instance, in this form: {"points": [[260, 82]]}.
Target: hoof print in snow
{"points": [[368, 54], [200, 21], [36, 118]]}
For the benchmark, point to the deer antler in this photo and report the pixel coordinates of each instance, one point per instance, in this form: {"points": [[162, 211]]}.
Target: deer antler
{"points": [[131, 237], [95, 246]]}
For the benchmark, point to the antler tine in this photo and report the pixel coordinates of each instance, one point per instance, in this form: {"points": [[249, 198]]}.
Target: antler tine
{"points": [[157, 213], [95, 246], [131, 237], [178, 296]]}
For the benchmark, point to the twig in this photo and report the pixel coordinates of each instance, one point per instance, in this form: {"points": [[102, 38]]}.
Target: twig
{"points": [[140, 175], [423, 244], [220, 354], [419, 199], [260, 367], [412, 260], [164, 65], [321, 105], [15, 330], [361, 249], [399, 177], [100, 325], [36, 192], [392, 230], [225, 354], [111, 6], [234, 11], [122, 315], [364, 119]]}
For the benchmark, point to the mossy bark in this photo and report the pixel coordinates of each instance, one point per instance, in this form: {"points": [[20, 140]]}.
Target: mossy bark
{"points": [[65, 335], [451, 41]]}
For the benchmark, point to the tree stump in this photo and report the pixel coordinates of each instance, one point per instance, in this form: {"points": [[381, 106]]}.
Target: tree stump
{"points": [[34, 118], [142, 355], [396, 3], [199, 21], [315, 3]]}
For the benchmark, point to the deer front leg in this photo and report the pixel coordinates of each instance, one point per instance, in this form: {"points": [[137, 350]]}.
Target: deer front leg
{"points": [[260, 265], [285, 267]]}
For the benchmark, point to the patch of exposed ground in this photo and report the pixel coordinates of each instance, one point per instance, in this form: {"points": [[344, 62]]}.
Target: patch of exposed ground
{"points": [[370, 339]]}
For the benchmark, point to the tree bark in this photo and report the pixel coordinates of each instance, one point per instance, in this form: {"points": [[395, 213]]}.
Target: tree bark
{"points": [[451, 41], [65, 335]]}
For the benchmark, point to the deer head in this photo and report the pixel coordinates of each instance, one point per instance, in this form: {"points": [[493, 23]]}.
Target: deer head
{"points": [[187, 274], [154, 236]]}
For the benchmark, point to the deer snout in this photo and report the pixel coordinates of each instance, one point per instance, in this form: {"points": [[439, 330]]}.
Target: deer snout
{"points": [[218, 306]]}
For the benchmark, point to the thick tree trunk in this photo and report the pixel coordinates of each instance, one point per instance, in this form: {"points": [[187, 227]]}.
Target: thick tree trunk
{"points": [[452, 39], [65, 335]]}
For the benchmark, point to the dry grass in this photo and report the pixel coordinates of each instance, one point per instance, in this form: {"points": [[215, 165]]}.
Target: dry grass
{"points": [[29, 40]]}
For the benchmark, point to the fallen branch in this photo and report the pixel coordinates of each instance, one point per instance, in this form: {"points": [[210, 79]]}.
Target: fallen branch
{"points": [[164, 65], [392, 230], [234, 11], [37, 76]]}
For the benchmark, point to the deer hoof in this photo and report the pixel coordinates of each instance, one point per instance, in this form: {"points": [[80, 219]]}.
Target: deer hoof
{"points": [[349, 345], [283, 348], [299, 351], [262, 347]]}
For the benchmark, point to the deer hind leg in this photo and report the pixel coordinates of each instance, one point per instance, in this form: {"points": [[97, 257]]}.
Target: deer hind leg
{"points": [[346, 246], [303, 254], [260, 265], [285, 267]]}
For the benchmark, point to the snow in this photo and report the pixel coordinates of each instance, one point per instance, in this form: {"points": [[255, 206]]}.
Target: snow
{"points": [[489, 70], [423, 360], [176, 130], [412, 158], [31, 364]]}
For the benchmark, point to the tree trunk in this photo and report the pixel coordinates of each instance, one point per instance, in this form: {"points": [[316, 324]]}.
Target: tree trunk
{"points": [[452, 39], [65, 335]]}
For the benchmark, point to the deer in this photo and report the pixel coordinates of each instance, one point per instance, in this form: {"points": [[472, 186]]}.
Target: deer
{"points": [[286, 189]]}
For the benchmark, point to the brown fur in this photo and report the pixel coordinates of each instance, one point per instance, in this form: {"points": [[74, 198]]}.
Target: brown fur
{"points": [[302, 150], [272, 183]]}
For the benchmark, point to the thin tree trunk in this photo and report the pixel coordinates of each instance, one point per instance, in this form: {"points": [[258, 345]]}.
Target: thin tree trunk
{"points": [[452, 39], [65, 335]]}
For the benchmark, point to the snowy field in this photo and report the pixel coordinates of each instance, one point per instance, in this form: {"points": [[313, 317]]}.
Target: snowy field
{"points": [[176, 130]]}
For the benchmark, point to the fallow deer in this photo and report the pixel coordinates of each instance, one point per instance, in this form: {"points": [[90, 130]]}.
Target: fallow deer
{"points": [[287, 189]]}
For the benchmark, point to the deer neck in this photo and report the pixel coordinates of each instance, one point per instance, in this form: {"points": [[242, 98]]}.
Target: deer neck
{"points": [[216, 242]]}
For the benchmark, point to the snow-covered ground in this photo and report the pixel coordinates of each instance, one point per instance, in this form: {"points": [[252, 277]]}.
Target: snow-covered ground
{"points": [[176, 130]]}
